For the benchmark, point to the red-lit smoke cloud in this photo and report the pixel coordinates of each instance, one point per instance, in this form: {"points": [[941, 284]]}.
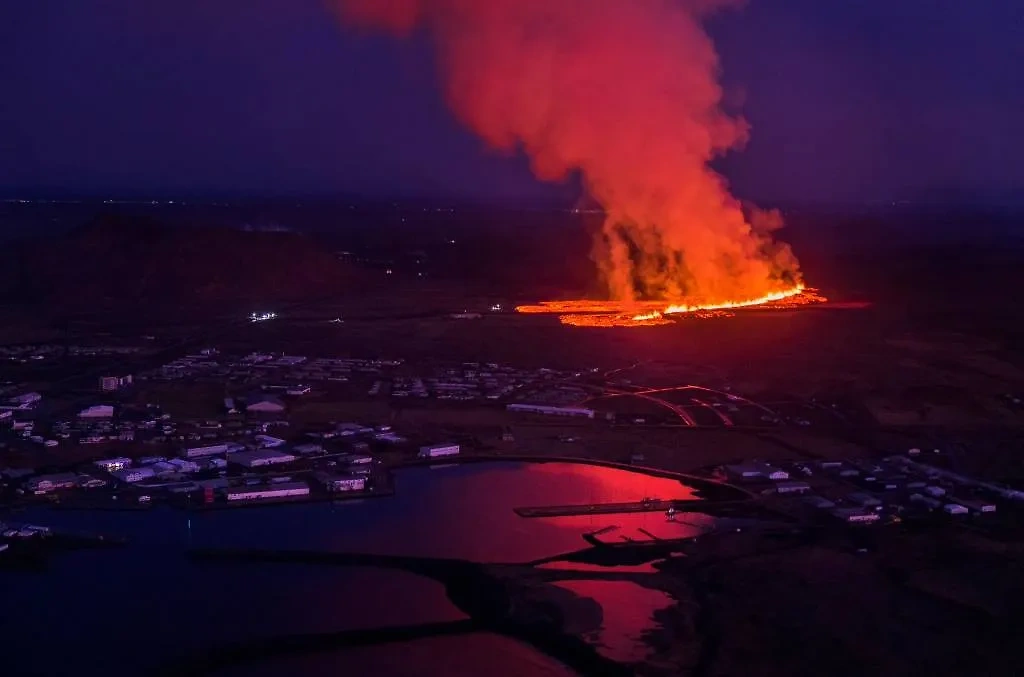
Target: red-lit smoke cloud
{"points": [[625, 92]]}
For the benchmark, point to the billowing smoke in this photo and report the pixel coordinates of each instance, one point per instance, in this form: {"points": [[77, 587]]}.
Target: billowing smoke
{"points": [[625, 92]]}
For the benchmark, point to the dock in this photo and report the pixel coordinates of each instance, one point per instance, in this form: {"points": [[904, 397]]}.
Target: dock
{"points": [[607, 508]]}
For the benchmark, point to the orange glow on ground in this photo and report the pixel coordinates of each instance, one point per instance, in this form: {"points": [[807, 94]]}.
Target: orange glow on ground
{"points": [[584, 313]]}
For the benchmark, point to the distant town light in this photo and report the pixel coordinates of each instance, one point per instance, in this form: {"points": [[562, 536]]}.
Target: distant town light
{"points": [[261, 317]]}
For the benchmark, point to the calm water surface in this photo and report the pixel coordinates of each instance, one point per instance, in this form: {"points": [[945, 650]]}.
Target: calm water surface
{"points": [[117, 612]]}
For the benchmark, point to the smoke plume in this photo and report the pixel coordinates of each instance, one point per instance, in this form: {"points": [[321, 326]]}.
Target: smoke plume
{"points": [[625, 92]]}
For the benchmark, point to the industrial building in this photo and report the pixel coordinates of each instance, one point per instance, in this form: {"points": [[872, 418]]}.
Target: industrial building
{"points": [[209, 450], [260, 458], [865, 500], [550, 410], [855, 515], [437, 450], [45, 483], [112, 464], [339, 483], [97, 411], [264, 404], [756, 470], [282, 490], [792, 487], [131, 475], [111, 383]]}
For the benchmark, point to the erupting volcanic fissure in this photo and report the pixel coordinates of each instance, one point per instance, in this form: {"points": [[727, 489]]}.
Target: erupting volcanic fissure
{"points": [[624, 93]]}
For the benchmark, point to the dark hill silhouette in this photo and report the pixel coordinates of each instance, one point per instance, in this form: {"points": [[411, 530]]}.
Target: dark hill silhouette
{"points": [[120, 261]]}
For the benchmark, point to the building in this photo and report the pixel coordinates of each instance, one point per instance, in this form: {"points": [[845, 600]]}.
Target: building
{"points": [[772, 472], [268, 441], [792, 487], [46, 483], [97, 411], [955, 509], [283, 490], [163, 468], [977, 505], [339, 483], [132, 475], [264, 404], [210, 450], [865, 500], [926, 501], [436, 450], [355, 459], [183, 465], [819, 502], [855, 515], [6, 414], [112, 464], [309, 448], [260, 458], [25, 400], [300, 389], [111, 383], [549, 410], [745, 471], [229, 405], [390, 438]]}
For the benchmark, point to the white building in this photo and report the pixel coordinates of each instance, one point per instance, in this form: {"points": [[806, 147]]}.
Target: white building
{"points": [[551, 410], [210, 450], [112, 464], [436, 450], [260, 458], [131, 475], [300, 389], [955, 509], [6, 414], [282, 490], [264, 404], [97, 411], [856, 515]]}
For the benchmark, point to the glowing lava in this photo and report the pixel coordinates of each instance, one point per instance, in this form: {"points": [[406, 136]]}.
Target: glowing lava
{"points": [[584, 313]]}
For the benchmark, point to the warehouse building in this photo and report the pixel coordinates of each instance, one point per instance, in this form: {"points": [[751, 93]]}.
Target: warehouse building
{"points": [[283, 490], [260, 458], [46, 483], [97, 411], [209, 450], [856, 515], [112, 464], [339, 483], [792, 487], [264, 404], [437, 450], [112, 383], [131, 475]]}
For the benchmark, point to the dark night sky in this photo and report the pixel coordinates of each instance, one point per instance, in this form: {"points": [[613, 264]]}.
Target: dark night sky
{"points": [[850, 101]]}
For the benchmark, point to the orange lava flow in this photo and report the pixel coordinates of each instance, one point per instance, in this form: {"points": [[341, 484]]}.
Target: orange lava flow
{"points": [[584, 313]]}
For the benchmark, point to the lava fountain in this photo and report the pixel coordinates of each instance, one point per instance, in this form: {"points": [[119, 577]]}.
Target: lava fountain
{"points": [[624, 95]]}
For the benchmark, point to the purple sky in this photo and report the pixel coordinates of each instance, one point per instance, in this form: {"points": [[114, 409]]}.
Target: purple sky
{"points": [[850, 101]]}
